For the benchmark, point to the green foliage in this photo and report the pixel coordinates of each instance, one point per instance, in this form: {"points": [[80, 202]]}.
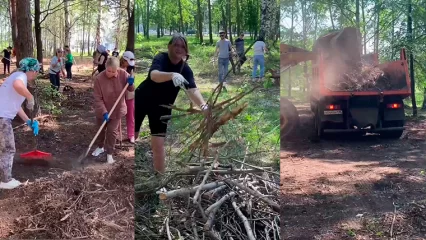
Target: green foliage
{"points": [[49, 99]]}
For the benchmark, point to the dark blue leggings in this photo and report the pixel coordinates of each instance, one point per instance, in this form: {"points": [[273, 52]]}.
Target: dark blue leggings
{"points": [[55, 80]]}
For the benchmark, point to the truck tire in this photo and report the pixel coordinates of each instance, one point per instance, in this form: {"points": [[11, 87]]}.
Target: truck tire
{"points": [[392, 134], [318, 132], [289, 119]]}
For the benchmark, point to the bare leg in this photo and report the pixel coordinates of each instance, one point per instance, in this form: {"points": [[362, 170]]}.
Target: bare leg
{"points": [[159, 154]]}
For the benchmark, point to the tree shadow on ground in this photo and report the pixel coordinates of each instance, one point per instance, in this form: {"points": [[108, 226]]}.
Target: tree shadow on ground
{"points": [[328, 186]]}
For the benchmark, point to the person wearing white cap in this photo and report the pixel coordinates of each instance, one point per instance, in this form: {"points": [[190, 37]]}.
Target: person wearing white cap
{"points": [[128, 63]]}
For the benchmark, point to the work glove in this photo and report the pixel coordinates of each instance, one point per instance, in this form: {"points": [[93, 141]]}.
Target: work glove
{"points": [[179, 80], [33, 126], [130, 80], [30, 104], [204, 107], [106, 117]]}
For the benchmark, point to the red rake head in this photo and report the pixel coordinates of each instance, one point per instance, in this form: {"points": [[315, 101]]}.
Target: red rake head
{"points": [[36, 155]]}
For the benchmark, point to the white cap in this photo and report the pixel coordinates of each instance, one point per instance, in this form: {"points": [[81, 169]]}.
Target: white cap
{"points": [[129, 57]]}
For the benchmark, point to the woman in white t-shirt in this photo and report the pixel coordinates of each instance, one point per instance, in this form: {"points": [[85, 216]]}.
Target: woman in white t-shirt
{"points": [[57, 66], [14, 92], [259, 48]]}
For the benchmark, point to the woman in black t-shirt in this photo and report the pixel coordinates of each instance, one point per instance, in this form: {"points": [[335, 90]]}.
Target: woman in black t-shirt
{"points": [[167, 75], [6, 59]]}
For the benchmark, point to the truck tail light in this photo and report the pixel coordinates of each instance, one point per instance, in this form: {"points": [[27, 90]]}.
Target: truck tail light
{"points": [[394, 105], [332, 107]]}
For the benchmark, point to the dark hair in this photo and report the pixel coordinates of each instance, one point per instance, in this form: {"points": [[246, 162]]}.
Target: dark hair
{"points": [[261, 38], [178, 36], [241, 34]]}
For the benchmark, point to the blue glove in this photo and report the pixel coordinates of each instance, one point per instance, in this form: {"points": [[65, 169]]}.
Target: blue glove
{"points": [[106, 117], [130, 80], [33, 126]]}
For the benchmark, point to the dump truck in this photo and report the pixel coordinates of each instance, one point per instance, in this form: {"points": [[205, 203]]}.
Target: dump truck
{"points": [[350, 92]]}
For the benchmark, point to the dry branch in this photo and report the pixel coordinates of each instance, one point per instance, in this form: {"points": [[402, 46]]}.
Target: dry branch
{"points": [[257, 194], [189, 190]]}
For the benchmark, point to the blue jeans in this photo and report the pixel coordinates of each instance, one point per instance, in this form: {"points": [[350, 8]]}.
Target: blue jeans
{"points": [[223, 68], [258, 60], [55, 80]]}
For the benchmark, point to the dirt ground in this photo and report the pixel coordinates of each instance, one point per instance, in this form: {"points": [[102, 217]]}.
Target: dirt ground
{"points": [[55, 187], [346, 188]]}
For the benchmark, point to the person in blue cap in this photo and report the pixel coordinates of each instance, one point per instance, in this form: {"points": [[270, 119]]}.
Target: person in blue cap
{"points": [[14, 92]]}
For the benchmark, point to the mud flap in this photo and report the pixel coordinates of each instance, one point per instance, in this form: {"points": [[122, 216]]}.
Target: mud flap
{"points": [[362, 117], [394, 115]]}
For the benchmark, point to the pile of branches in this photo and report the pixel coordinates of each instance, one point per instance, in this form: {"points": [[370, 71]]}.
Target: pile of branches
{"points": [[364, 77], [223, 202], [93, 204], [214, 199]]}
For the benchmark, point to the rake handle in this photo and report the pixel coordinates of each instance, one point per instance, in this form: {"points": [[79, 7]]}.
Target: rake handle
{"points": [[104, 123]]}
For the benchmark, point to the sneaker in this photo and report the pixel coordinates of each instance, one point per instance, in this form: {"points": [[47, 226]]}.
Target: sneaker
{"points": [[132, 140], [110, 160], [13, 183], [98, 151]]}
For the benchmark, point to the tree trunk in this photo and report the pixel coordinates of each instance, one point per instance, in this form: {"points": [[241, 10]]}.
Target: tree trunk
{"points": [[357, 19], [364, 26], [130, 46], [267, 19], [376, 41], [180, 17], [291, 43], [147, 20], [98, 24], [410, 41], [210, 22], [37, 31], [24, 40], [331, 15], [305, 66], [67, 40], [224, 21], [13, 22], [200, 21], [229, 14], [238, 17]]}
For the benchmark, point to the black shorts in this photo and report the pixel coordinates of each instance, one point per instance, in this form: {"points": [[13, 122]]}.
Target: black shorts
{"points": [[154, 112]]}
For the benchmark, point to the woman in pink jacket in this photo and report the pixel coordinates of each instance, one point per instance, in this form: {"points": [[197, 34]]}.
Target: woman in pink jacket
{"points": [[128, 63]]}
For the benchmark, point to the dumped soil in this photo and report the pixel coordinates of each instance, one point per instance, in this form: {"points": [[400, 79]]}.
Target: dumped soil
{"points": [[58, 202], [347, 188]]}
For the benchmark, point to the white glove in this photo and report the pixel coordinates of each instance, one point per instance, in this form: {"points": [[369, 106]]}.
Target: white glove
{"points": [[179, 80], [204, 107]]}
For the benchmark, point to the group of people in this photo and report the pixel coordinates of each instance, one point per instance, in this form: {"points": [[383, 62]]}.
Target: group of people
{"points": [[167, 75], [224, 52], [111, 76], [61, 62], [109, 83]]}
